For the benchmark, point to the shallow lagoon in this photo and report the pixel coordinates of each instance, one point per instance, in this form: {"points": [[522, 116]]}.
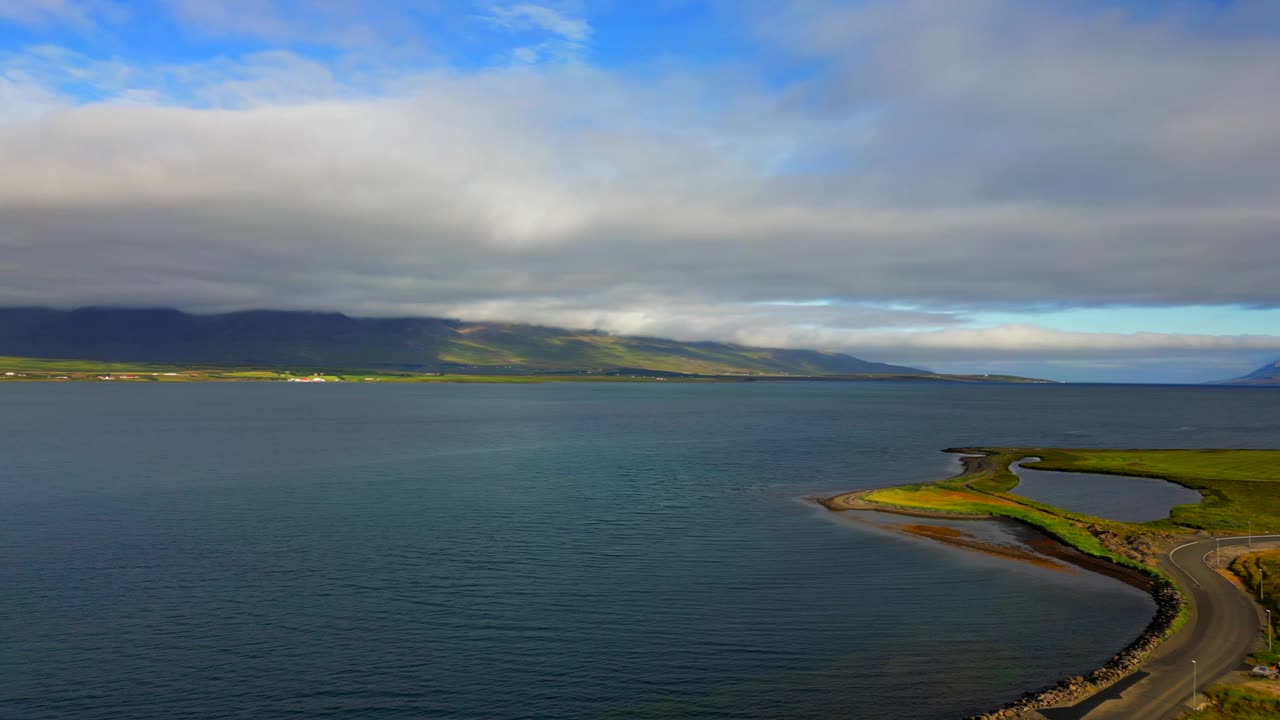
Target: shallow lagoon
{"points": [[1114, 497], [571, 551]]}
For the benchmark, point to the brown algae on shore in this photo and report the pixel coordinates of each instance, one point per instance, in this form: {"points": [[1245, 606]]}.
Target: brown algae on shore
{"points": [[959, 538]]}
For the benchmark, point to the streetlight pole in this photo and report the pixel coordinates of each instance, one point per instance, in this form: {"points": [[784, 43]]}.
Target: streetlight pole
{"points": [[1193, 684]]}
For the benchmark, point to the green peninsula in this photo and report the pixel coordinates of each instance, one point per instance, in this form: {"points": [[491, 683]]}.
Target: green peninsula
{"points": [[1240, 502]]}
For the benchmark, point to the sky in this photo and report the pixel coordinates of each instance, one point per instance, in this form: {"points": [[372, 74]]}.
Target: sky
{"points": [[1083, 190]]}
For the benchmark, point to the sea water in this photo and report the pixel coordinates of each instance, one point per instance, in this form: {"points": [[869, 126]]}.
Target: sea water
{"points": [[538, 551]]}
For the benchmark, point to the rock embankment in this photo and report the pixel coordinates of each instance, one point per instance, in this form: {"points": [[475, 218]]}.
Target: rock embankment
{"points": [[1146, 547], [1072, 689]]}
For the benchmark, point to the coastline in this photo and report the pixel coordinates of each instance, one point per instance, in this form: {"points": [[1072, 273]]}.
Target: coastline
{"points": [[271, 376], [1045, 543], [1169, 601]]}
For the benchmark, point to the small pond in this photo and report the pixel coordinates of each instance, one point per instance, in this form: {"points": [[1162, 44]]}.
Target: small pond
{"points": [[1115, 497]]}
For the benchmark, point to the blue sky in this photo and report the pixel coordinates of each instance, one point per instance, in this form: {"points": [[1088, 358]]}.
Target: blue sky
{"points": [[1082, 190]]}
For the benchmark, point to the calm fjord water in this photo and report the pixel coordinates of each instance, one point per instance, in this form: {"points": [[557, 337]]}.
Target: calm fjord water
{"points": [[546, 551], [1129, 499]]}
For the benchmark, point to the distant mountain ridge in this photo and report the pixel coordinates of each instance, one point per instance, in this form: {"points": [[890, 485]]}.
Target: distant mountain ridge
{"points": [[304, 340], [1268, 374]]}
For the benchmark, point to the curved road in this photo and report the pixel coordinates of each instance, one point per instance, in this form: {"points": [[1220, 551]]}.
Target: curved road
{"points": [[1224, 627]]}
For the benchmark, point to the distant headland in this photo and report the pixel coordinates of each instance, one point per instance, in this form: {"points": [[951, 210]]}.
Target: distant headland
{"points": [[169, 345]]}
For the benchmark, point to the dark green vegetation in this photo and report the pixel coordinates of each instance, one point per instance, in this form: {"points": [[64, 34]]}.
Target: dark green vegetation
{"points": [[1268, 374], [267, 342], [984, 490], [300, 341], [1239, 703], [18, 369], [23, 369], [1238, 486], [1260, 572]]}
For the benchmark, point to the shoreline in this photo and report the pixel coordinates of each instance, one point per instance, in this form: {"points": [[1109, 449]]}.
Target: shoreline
{"points": [[1044, 543], [1168, 600]]}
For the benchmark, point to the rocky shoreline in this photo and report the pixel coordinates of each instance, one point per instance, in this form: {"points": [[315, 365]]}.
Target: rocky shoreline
{"points": [[1168, 603]]}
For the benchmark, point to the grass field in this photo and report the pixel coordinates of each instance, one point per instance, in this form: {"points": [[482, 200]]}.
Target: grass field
{"points": [[1241, 490], [1243, 465], [24, 369], [39, 370], [1260, 572], [41, 366], [984, 491], [1239, 486], [1239, 703]]}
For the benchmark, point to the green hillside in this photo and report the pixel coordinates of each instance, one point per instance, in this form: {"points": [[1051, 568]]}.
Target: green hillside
{"points": [[300, 340]]}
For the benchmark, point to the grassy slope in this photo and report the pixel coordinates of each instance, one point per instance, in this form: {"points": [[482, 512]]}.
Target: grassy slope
{"points": [[296, 339], [550, 349], [41, 365], [43, 369], [27, 369]]}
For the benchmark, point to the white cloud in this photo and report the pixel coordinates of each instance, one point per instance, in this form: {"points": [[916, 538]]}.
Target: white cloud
{"points": [[530, 16], [44, 12], [961, 156], [1028, 340], [570, 35], [285, 21], [22, 98]]}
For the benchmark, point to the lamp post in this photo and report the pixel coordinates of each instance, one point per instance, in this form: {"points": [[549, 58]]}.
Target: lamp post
{"points": [[1193, 684]]}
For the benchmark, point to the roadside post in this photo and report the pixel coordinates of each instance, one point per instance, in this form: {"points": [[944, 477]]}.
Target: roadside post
{"points": [[1217, 552], [1269, 631], [1193, 684]]}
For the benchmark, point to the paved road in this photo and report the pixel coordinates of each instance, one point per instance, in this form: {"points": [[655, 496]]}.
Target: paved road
{"points": [[1225, 626]]}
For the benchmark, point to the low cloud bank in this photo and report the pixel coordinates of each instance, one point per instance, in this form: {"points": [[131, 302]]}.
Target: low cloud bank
{"points": [[950, 158]]}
